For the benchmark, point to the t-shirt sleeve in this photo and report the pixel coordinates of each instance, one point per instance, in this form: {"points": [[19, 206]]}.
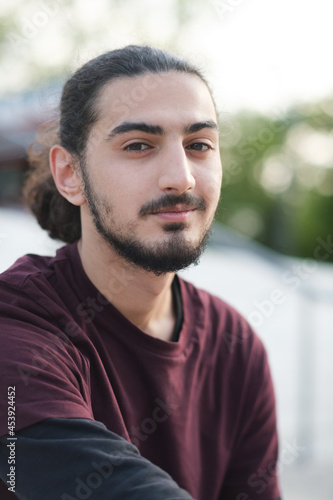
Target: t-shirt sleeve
{"points": [[75, 458], [39, 363], [252, 472]]}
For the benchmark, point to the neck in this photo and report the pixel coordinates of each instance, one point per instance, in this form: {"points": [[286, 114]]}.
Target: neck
{"points": [[143, 298]]}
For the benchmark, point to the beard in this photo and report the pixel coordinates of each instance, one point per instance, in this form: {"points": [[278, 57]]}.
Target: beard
{"points": [[171, 255]]}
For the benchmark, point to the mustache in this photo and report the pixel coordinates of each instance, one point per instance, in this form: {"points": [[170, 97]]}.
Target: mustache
{"points": [[171, 200]]}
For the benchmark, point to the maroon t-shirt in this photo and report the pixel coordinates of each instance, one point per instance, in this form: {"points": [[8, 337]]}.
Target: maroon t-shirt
{"points": [[201, 408]]}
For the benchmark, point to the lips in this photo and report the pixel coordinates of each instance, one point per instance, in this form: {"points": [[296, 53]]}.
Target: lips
{"points": [[178, 213], [176, 209]]}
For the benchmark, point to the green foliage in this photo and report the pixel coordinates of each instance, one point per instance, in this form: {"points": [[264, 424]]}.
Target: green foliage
{"points": [[278, 177]]}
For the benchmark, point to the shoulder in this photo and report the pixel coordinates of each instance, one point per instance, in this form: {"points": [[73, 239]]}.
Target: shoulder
{"points": [[206, 301], [32, 281], [221, 326], [31, 310], [30, 267]]}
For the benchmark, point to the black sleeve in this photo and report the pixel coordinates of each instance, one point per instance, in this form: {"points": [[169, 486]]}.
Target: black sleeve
{"points": [[70, 459]]}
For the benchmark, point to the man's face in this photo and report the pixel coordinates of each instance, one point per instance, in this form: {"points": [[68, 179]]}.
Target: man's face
{"points": [[152, 170]]}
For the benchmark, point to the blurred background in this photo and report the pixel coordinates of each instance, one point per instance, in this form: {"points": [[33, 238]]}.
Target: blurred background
{"points": [[269, 64]]}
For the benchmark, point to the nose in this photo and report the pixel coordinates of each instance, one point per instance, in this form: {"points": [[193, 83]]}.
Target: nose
{"points": [[176, 170]]}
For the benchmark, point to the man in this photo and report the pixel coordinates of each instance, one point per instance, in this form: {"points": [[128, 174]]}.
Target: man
{"points": [[128, 382]]}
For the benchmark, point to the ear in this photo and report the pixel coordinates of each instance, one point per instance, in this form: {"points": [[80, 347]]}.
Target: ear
{"points": [[66, 175]]}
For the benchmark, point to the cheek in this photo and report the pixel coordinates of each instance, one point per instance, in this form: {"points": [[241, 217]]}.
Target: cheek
{"points": [[126, 192], [209, 185]]}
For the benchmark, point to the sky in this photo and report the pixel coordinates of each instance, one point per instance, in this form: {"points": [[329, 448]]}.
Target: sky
{"points": [[258, 54], [267, 54]]}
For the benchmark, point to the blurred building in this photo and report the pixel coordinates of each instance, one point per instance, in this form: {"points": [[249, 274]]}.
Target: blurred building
{"points": [[20, 116]]}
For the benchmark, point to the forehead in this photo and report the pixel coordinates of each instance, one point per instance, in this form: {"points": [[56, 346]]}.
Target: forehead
{"points": [[168, 99]]}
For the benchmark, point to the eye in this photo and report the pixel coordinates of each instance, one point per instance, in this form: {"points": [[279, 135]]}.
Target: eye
{"points": [[200, 146], [137, 146]]}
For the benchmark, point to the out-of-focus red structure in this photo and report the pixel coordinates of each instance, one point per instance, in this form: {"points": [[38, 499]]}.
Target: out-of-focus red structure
{"points": [[20, 117]]}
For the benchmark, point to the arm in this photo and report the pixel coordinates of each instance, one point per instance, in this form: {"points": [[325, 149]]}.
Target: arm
{"points": [[252, 471], [72, 459]]}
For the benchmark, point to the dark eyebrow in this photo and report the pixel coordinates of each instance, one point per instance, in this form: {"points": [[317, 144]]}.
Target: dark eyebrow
{"points": [[141, 126], [196, 127], [156, 129]]}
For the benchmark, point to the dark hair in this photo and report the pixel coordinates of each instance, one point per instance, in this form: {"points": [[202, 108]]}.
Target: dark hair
{"points": [[78, 113]]}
